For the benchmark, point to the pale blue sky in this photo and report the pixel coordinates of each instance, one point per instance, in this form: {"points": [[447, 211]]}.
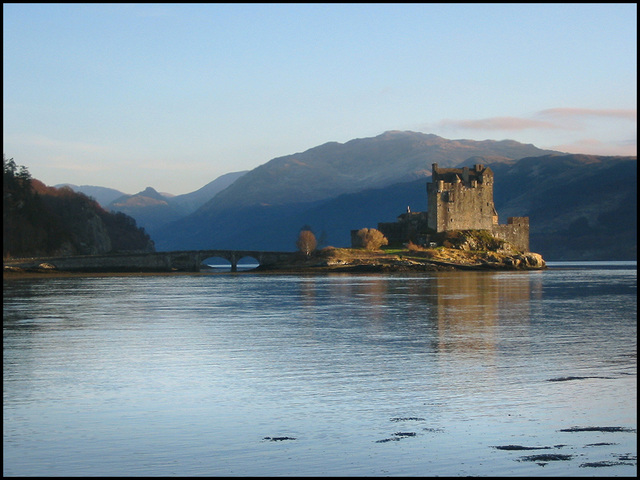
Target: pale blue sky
{"points": [[174, 95]]}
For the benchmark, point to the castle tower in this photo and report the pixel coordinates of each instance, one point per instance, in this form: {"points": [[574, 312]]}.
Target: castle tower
{"points": [[461, 199]]}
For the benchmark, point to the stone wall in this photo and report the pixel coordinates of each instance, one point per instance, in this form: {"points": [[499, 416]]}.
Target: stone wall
{"points": [[516, 232]]}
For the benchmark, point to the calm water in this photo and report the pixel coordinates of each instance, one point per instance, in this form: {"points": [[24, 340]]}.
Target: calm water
{"points": [[377, 375]]}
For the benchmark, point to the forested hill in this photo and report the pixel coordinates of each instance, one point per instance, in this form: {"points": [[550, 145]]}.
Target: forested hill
{"points": [[39, 220]]}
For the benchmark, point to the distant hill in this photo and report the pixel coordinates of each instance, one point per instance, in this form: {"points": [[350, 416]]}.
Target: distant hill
{"points": [[153, 210], [103, 195], [150, 209], [190, 202]]}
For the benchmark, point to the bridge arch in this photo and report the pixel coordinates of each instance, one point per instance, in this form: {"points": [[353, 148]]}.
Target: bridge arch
{"points": [[248, 262], [216, 263], [229, 261]]}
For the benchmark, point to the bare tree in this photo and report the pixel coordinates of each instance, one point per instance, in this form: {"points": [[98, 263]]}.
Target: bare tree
{"points": [[371, 239], [306, 242]]}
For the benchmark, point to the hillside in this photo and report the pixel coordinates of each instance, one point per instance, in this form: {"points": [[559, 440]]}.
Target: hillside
{"points": [[39, 220], [581, 207], [153, 210], [190, 202]]}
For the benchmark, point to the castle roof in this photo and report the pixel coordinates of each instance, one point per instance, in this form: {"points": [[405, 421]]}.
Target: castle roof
{"points": [[479, 173]]}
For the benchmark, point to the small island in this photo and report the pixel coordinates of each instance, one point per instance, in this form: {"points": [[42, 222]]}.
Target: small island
{"points": [[468, 250]]}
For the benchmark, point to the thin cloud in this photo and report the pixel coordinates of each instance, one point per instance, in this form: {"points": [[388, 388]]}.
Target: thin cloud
{"points": [[624, 114], [498, 123]]}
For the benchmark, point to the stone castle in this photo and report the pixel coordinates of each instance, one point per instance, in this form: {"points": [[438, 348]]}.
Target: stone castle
{"points": [[458, 199]]}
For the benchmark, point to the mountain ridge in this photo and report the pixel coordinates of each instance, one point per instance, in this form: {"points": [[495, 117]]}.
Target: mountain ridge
{"points": [[334, 168]]}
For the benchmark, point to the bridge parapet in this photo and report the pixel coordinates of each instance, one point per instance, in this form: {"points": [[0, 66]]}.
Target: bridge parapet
{"points": [[188, 260]]}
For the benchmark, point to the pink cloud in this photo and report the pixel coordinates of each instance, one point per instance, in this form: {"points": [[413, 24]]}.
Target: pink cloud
{"points": [[549, 119], [591, 146]]}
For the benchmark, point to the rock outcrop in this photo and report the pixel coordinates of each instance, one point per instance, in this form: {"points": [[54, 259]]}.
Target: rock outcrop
{"points": [[359, 260]]}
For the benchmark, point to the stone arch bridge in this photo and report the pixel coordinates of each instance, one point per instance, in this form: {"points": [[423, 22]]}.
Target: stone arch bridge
{"points": [[186, 261]]}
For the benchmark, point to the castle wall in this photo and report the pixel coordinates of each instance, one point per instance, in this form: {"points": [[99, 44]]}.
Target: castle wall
{"points": [[457, 207], [515, 232], [395, 232], [406, 229]]}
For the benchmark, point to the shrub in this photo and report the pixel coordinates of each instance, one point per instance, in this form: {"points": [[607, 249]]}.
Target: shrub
{"points": [[370, 239]]}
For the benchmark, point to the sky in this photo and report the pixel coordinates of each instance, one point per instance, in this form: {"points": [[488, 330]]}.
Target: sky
{"points": [[172, 96]]}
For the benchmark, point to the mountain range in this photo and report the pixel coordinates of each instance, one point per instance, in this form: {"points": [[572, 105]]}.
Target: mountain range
{"points": [[580, 206], [152, 209]]}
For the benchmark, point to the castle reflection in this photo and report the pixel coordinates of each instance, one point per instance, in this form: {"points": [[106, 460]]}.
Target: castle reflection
{"points": [[470, 306], [441, 311]]}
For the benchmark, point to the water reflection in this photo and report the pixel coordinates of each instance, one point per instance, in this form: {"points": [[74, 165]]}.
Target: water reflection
{"points": [[469, 307], [460, 311]]}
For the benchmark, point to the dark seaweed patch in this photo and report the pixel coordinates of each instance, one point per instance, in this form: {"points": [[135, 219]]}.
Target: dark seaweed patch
{"points": [[397, 436], [598, 429], [546, 457], [406, 419], [604, 463], [384, 440], [599, 444], [565, 379], [278, 439], [519, 447], [628, 457]]}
